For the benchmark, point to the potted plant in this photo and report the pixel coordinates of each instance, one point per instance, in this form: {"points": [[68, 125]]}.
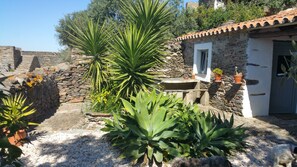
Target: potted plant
{"points": [[218, 74], [12, 119], [237, 76]]}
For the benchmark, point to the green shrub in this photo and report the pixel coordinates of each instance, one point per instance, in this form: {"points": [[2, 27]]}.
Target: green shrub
{"points": [[145, 129], [104, 101], [212, 135], [208, 18], [14, 113]]}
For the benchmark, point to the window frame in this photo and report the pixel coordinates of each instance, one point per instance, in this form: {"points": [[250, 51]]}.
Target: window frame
{"points": [[198, 48]]}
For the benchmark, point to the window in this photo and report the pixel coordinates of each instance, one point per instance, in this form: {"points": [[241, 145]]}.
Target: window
{"points": [[202, 61], [282, 60]]}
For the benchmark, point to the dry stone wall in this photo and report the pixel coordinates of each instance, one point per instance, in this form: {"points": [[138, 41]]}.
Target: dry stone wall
{"points": [[45, 59], [71, 83], [10, 58], [229, 50], [44, 95], [174, 65]]}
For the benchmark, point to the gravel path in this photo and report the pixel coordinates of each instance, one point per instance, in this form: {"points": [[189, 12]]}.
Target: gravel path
{"points": [[65, 141], [69, 139]]}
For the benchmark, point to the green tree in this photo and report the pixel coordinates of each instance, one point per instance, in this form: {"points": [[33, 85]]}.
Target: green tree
{"points": [[63, 30], [102, 10], [138, 48], [273, 6]]}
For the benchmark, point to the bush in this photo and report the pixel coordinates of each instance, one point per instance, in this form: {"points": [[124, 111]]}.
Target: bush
{"points": [[105, 101], [211, 135], [158, 128], [208, 18], [146, 129]]}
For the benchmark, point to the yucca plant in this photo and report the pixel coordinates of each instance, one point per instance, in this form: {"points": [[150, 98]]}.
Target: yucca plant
{"points": [[14, 113], [92, 40], [138, 47], [145, 129], [213, 135]]}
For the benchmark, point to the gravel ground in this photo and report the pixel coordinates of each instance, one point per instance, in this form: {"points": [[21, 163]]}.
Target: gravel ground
{"points": [[85, 145], [73, 148]]}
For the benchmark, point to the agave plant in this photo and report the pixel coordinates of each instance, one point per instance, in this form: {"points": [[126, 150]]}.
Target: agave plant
{"points": [[13, 115], [92, 40], [213, 135], [145, 129], [138, 47]]}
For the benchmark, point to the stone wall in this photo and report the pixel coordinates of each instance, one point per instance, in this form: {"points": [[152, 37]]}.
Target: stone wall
{"points": [[44, 95], [17, 56], [174, 65], [45, 58], [9, 58], [229, 50], [71, 83]]}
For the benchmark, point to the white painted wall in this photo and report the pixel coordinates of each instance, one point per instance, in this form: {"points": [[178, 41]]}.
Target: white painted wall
{"points": [[196, 63], [259, 51]]}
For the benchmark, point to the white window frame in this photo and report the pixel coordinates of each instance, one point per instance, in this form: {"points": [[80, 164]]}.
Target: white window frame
{"points": [[197, 61]]}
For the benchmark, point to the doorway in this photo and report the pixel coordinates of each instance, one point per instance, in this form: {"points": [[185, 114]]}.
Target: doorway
{"points": [[282, 96]]}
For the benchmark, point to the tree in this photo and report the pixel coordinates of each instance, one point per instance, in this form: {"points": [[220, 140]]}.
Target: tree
{"points": [[63, 30], [273, 6], [100, 11]]}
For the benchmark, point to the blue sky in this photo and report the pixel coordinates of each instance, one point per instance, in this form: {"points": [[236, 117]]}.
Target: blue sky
{"points": [[30, 24]]}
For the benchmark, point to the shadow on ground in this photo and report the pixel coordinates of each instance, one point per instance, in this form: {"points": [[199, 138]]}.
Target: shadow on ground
{"points": [[85, 150], [287, 122]]}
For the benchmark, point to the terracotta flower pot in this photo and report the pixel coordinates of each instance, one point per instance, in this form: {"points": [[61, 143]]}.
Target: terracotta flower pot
{"points": [[218, 78], [237, 79], [17, 137]]}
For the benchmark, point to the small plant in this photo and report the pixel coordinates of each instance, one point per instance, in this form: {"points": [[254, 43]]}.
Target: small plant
{"points": [[218, 71], [237, 76], [15, 112], [104, 101], [212, 135], [218, 74], [236, 71], [146, 128]]}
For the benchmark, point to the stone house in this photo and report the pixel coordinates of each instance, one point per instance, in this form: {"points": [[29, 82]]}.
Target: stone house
{"points": [[258, 48]]}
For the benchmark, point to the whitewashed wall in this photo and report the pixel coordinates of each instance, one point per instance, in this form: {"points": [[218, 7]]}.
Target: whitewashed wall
{"points": [[256, 97]]}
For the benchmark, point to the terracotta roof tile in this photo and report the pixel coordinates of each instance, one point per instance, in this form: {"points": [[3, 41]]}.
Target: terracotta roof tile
{"points": [[283, 17]]}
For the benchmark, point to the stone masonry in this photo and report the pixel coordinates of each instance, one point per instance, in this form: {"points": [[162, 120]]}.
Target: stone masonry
{"points": [[229, 50], [10, 58]]}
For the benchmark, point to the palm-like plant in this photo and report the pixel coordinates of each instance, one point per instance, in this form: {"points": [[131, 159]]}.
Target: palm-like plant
{"points": [[138, 48], [14, 113], [92, 40]]}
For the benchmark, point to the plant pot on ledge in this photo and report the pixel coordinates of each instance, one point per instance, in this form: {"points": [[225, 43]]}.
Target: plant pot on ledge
{"points": [[218, 78], [238, 78]]}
